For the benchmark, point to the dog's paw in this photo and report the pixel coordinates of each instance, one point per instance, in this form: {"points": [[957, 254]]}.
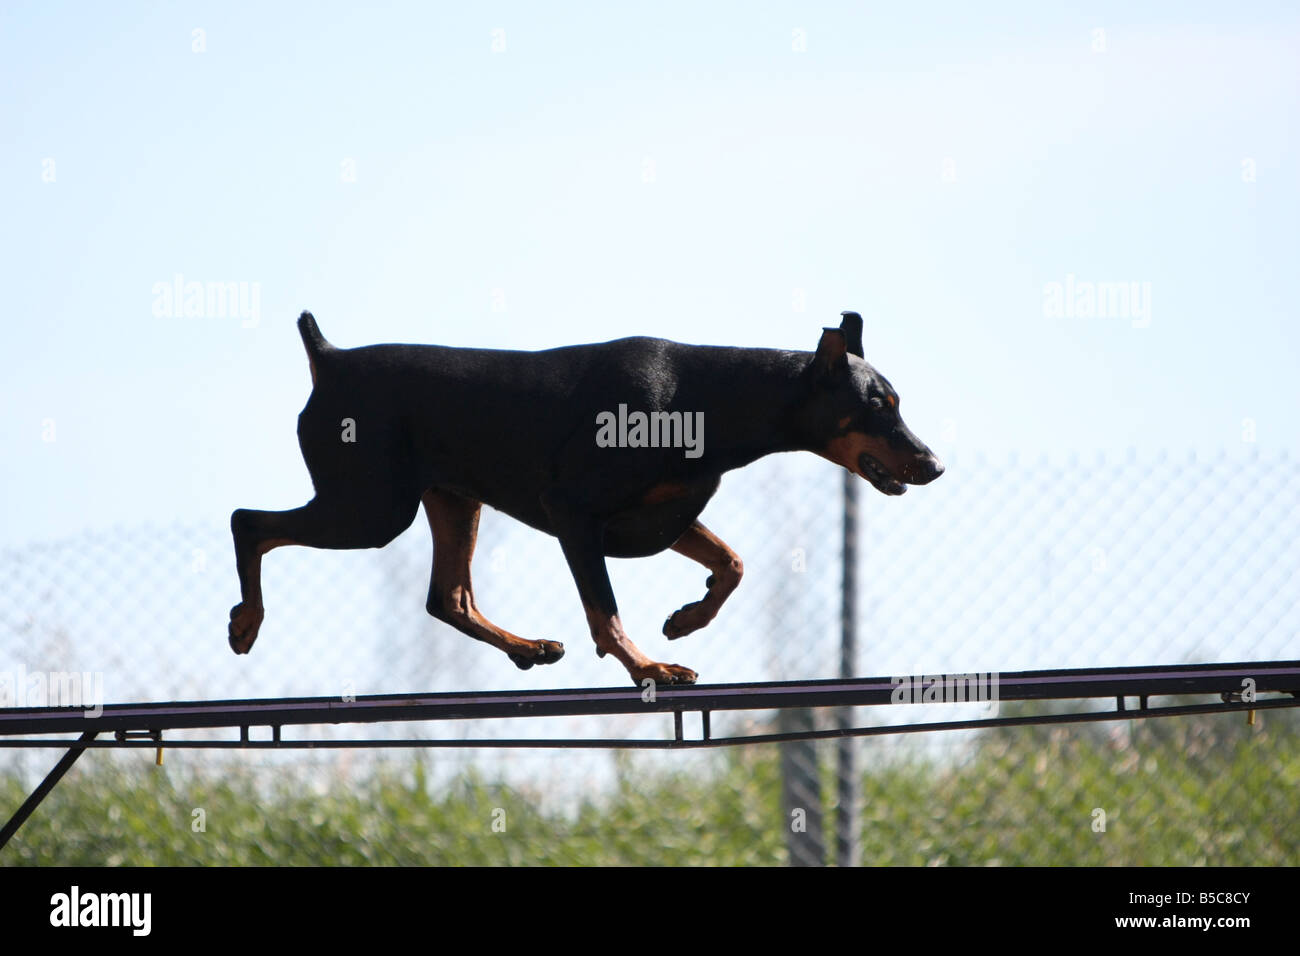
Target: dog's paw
{"points": [[687, 620], [546, 652], [244, 624], [664, 674]]}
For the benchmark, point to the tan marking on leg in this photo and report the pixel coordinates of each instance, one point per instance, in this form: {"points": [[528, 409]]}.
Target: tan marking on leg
{"points": [[700, 544], [607, 631], [667, 491], [453, 520], [272, 543], [246, 617], [254, 596]]}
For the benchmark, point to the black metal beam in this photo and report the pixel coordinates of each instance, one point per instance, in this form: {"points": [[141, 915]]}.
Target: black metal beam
{"points": [[54, 776], [142, 725], [657, 743], [1113, 682]]}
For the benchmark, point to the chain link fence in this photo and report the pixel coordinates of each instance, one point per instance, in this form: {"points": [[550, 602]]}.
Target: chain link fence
{"points": [[1002, 564]]}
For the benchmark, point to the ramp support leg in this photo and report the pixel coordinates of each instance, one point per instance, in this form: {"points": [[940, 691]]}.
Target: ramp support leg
{"points": [[40, 793]]}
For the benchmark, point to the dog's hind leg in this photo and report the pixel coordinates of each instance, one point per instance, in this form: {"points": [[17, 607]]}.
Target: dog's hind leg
{"points": [[344, 522], [702, 545], [453, 519]]}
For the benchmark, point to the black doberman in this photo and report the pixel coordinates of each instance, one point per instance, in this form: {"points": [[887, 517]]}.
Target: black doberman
{"points": [[613, 448]]}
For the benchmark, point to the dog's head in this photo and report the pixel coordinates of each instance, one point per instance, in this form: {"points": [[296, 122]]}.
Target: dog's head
{"points": [[852, 418]]}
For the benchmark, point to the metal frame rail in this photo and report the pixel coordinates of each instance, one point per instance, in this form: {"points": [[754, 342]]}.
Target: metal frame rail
{"points": [[1237, 686]]}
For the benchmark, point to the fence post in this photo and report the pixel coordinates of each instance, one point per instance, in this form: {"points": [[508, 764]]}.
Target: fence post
{"points": [[801, 791], [847, 839]]}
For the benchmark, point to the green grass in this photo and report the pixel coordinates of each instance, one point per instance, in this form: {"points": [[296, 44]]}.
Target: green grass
{"points": [[1183, 791]]}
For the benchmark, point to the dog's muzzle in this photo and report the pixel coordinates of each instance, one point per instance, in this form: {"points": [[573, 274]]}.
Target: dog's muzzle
{"points": [[922, 471], [875, 473]]}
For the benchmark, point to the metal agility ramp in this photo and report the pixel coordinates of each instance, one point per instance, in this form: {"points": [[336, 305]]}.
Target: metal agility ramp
{"points": [[1237, 687]]}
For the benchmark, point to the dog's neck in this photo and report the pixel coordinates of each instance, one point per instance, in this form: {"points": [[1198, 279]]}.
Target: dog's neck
{"points": [[758, 414]]}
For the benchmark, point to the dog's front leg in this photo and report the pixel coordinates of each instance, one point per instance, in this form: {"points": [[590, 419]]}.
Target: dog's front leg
{"points": [[581, 537], [702, 545]]}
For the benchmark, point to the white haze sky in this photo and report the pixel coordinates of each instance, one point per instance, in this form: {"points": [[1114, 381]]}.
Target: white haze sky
{"points": [[501, 199]]}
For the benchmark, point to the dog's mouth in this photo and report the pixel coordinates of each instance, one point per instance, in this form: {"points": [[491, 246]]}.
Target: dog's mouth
{"points": [[875, 473]]}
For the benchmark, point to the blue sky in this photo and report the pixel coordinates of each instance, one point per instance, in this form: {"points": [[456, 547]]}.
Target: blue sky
{"points": [[678, 170]]}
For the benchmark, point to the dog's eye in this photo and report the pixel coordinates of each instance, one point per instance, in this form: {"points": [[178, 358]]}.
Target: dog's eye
{"points": [[876, 403]]}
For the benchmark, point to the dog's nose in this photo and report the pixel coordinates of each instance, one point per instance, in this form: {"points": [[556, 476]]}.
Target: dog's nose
{"points": [[925, 470]]}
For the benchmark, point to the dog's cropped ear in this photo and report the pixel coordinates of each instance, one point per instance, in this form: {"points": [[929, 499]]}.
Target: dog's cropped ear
{"points": [[831, 356], [851, 326]]}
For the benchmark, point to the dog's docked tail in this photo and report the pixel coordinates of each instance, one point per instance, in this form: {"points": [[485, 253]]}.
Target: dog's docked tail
{"points": [[313, 341]]}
